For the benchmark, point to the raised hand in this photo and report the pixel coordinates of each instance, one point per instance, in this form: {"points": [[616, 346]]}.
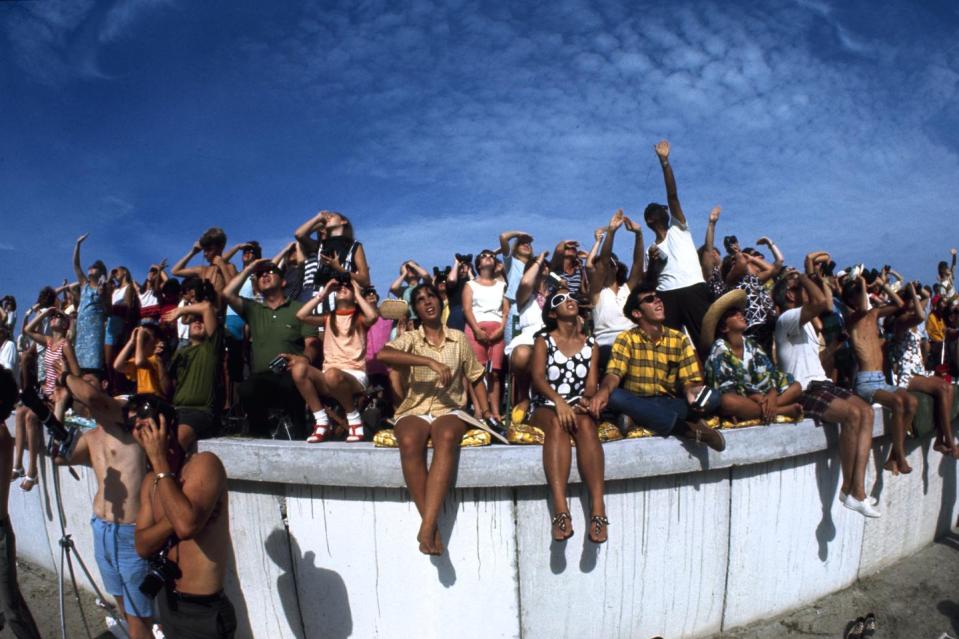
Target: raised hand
{"points": [[764, 240], [714, 215], [598, 233], [85, 235], [952, 251], [662, 149], [617, 220], [633, 227]]}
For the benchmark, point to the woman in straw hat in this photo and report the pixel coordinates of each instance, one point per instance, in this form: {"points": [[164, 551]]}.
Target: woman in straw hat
{"points": [[752, 387]]}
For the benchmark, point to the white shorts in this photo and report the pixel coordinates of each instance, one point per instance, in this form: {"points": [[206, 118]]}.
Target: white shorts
{"points": [[359, 376]]}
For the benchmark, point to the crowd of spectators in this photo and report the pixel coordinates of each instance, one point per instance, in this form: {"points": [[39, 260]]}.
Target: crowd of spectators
{"points": [[301, 345]]}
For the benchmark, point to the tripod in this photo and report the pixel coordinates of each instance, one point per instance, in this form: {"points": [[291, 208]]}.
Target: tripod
{"points": [[66, 548]]}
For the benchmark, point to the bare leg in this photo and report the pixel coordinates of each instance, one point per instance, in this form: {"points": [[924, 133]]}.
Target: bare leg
{"points": [[941, 392], [897, 456], [849, 414], [342, 387], [310, 383], [519, 363], [186, 437], [591, 463], [446, 433], [20, 433], [140, 627], [740, 407], [495, 392], [34, 442], [788, 402], [411, 435], [557, 460]]}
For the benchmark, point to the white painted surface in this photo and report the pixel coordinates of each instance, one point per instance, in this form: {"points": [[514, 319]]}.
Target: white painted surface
{"points": [[662, 571], [360, 573]]}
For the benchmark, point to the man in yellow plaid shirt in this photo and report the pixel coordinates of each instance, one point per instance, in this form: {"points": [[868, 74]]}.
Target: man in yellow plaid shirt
{"points": [[654, 376]]}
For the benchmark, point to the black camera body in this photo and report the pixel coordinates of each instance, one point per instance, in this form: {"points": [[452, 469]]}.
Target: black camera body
{"points": [[162, 572], [62, 438], [279, 364], [467, 259], [342, 278]]}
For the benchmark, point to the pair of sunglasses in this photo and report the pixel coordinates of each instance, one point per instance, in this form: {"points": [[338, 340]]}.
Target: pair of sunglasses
{"points": [[559, 298]]}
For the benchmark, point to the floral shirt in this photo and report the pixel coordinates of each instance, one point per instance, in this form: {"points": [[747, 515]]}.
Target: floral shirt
{"points": [[754, 373]]}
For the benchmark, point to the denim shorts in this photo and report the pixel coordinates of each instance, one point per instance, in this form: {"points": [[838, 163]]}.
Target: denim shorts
{"points": [[867, 384], [121, 568]]}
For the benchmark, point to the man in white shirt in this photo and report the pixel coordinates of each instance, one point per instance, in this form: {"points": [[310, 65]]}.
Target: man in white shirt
{"points": [[801, 300], [680, 277]]}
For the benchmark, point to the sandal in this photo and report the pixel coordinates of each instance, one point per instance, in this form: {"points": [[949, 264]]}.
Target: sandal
{"points": [[18, 473], [560, 521], [28, 483], [356, 433], [318, 435], [856, 629], [597, 526], [869, 625]]}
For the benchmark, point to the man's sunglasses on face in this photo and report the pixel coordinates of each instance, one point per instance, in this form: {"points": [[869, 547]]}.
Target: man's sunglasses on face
{"points": [[648, 299]]}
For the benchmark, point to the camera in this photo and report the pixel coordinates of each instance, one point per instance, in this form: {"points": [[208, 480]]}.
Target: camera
{"points": [[62, 438], [828, 269], [162, 571], [279, 364], [468, 258], [149, 406], [343, 279]]}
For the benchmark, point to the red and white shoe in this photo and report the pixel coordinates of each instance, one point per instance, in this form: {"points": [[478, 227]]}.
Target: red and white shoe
{"points": [[318, 435], [356, 433]]}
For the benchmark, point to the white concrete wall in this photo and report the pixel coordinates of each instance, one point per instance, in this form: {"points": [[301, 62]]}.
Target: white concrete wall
{"points": [[697, 543]]}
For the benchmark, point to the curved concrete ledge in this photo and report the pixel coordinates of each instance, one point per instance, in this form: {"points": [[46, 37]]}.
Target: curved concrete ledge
{"points": [[363, 465], [324, 537]]}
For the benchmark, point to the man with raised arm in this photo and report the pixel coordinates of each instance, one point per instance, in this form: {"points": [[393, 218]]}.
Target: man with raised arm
{"points": [[274, 329], [119, 465], [680, 278], [13, 608], [218, 271], [801, 300], [654, 376], [184, 517], [871, 385]]}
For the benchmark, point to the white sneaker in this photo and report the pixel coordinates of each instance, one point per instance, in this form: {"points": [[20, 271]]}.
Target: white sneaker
{"points": [[873, 501], [861, 507]]}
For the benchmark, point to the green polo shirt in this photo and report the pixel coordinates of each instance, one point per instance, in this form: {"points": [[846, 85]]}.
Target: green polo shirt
{"points": [[195, 368], [274, 331]]}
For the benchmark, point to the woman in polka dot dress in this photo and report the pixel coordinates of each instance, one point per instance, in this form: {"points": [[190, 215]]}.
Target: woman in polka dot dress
{"points": [[565, 375]]}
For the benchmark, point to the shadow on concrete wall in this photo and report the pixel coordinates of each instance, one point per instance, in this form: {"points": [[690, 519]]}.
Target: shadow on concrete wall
{"points": [[947, 470], [951, 610], [827, 478], [445, 570], [327, 613]]}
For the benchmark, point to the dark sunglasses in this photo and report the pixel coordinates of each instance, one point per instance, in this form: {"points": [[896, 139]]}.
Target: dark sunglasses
{"points": [[267, 272], [558, 299], [648, 299]]}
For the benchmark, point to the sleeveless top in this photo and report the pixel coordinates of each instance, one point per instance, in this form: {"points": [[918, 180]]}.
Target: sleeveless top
{"points": [[488, 301], [90, 329], [566, 375], [608, 318], [51, 356], [117, 305], [344, 351]]}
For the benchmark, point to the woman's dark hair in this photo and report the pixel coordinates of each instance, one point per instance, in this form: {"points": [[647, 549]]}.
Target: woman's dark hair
{"points": [[943, 266], [99, 267], [47, 297], [728, 262], [203, 289], [632, 302], [476, 260], [213, 237], [11, 300], [416, 291], [254, 247], [170, 291], [347, 227], [622, 273]]}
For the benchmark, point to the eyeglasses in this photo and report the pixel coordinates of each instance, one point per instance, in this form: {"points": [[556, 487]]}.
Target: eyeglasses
{"points": [[559, 298], [648, 299], [267, 272], [487, 254]]}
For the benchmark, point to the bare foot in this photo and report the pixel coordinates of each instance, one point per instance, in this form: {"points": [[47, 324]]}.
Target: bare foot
{"points": [[792, 411], [892, 466], [426, 539], [904, 466], [438, 547], [941, 447]]}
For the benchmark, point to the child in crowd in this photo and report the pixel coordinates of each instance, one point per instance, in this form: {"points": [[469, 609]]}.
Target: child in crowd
{"points": [[344, 356]]}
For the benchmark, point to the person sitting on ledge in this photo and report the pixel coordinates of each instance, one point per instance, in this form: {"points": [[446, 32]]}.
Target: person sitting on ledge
{"points": [[565, 375], [344, 356], [435, 360], [752, 387], [654, 377], [871, 385], [909, 370], [184, 517], [274, 330], [801, 301]]}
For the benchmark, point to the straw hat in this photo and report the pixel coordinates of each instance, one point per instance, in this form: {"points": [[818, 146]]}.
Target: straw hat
{"points": [[735, 298], [394, 309]]}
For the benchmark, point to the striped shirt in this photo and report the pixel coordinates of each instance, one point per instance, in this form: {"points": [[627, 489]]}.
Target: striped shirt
{"points": [[649, 368], [424, 396]]}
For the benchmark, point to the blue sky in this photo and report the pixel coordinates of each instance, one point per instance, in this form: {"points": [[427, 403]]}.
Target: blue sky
{"points": [[436, 125]]}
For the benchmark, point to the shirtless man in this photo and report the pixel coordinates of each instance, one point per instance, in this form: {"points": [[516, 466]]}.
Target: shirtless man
{"points": [[218, 271], [863, 327], [185, 516], [119, 464], [13, 608]]}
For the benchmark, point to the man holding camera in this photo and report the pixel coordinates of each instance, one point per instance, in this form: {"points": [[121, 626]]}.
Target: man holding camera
{"points": [[274, 329], [119, 465], [183, 526], [13, 608]]}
